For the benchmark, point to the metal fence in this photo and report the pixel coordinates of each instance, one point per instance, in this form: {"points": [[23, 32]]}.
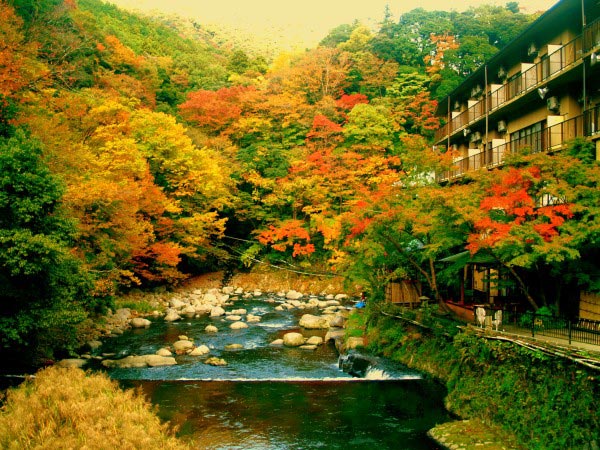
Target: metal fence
{"points": [[571, 330]]}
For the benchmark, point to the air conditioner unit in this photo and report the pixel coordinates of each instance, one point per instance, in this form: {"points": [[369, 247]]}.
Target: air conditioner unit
{"points": [[475, 137], [532, 49], [553, 104], [501, 125]]}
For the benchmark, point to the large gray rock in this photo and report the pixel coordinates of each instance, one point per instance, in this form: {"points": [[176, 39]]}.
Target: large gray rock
{"points": [[311, 322], [293, 339]]}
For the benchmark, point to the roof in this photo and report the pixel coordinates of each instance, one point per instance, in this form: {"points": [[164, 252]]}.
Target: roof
{"points": [[464, 258]]}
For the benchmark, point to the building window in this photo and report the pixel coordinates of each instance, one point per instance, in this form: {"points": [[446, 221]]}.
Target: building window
{"points": [[529, 137]]}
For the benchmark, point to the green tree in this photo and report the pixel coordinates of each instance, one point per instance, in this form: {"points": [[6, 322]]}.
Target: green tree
{"points": [[45, 293]]}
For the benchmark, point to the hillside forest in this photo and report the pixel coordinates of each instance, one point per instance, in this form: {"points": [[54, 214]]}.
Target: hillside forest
{"points": [[136, 152]]}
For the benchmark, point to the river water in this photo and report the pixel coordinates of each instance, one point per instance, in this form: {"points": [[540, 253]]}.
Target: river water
{"points": [[275, 397]]}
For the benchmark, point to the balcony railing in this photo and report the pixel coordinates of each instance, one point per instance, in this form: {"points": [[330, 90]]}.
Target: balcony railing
{"points": [[533, 77], [552, 138]]}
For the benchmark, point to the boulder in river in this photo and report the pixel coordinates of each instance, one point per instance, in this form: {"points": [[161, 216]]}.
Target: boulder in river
{"points": [[164, 352], [211, 329], [201, 350], [140, 361], [140, 322], [293, 295], [157, 360], [314, 340], [217, 311], [308, 347], [334, 335], [183, 346], [172, 316], [293, 339], [277, 342], [238, 325], [214, 361], [311, 322]]}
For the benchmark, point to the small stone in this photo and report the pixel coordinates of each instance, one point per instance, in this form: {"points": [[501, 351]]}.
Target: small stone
{"points": [[234, 347], [238, 325], [164, 352], [314, 340], [214, 361], [211, 329]]}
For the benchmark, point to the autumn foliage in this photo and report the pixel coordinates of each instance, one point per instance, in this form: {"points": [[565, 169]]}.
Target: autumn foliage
{"points": [[511, 204]]}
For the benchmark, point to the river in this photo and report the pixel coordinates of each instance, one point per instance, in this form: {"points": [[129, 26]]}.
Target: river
{"points": [[272, 397]]}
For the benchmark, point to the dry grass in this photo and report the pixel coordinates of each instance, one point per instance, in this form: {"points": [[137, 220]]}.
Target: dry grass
{"points": [[272, 280], [69, 409]]}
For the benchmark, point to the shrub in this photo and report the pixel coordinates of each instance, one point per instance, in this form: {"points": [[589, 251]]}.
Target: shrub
{"points": [[67, 408]]}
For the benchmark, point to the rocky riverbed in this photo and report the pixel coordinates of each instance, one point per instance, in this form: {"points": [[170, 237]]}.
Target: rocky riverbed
{"points": [[226, 307]]}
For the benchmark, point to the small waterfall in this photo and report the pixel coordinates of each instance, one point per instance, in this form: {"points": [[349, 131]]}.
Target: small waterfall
{"points": [[376, 374]]}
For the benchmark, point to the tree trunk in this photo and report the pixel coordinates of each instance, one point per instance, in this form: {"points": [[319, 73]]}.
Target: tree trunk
{"points": [[523, 286]]}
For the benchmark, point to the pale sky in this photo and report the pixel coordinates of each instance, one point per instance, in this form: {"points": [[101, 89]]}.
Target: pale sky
{"points": [[309, 20]]}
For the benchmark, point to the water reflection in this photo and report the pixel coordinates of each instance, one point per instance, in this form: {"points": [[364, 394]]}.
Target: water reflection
{"points": [[301, 415]]}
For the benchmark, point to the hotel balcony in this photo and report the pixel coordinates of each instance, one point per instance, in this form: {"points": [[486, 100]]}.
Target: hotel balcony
{"points": [[560, 60], [551, 139]]}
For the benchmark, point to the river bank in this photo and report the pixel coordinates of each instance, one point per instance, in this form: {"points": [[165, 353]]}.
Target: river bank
{"points": [[542, 401]]}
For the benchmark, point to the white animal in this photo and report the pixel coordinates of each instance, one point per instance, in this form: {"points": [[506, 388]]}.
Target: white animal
{"points": [[497, 319], [480, 313]]}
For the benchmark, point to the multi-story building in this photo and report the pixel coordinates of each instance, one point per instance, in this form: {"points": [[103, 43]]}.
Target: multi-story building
{"points": [[538, 92]]}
